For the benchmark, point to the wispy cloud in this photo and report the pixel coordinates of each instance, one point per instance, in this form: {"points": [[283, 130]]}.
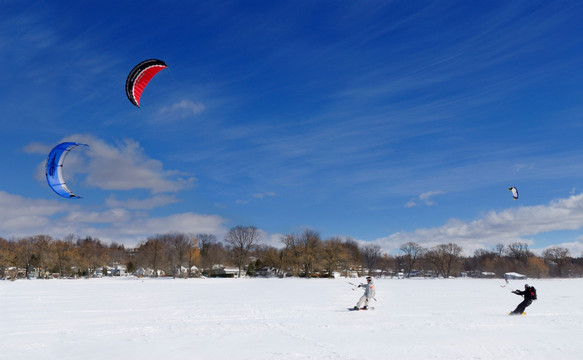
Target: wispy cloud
{"points": [[425, 198], [264, 195], [258, 196], [182, 109]]}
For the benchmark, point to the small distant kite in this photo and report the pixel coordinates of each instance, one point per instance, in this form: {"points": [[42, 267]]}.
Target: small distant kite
{"points": [[140, 76], [54, 169], [514, 192]]}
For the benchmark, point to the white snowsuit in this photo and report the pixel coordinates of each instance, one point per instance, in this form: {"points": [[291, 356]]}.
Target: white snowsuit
{"points": [[369, 293]]}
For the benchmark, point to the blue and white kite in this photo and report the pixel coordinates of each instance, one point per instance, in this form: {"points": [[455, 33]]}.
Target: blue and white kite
{"points": [[54, 169]]}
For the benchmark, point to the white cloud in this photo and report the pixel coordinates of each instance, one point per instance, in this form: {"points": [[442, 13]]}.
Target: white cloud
{"points": [[21, 216], [507, 226], [263, 195], [520, 167], [183, 108], [140, 228], [424, 197], [37, 148], [411, 203], [123, 166], [259, 196], [110, 216], [575, 247], [273, 240]]}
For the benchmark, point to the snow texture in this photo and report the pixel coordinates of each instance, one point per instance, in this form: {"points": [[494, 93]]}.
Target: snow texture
{"points": [[130, 318]]}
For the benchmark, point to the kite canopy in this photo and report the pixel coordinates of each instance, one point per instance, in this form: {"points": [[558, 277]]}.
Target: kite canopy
{"points": [[514, 192], [140, 76], [54, 169]]}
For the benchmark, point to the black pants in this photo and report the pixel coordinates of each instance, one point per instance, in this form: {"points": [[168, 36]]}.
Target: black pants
{"points": [[521, 307]]}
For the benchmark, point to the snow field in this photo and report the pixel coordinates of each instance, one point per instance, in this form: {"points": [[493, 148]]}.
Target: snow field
{"points": [[129, 318]]}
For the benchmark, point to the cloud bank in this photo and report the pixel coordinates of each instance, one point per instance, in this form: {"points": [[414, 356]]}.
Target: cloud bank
{"points": [[510, 225]]}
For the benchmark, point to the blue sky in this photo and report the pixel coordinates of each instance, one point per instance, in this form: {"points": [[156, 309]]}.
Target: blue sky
{"points": [[384, 121]]}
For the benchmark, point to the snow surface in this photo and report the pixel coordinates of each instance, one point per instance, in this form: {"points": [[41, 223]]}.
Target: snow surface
{"points": [[130, 318]]}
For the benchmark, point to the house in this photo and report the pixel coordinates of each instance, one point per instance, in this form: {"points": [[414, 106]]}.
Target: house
{"points": [[266, 271], [141, 272], [225, 271], [120, 270], [192, 272], [514, 276]]}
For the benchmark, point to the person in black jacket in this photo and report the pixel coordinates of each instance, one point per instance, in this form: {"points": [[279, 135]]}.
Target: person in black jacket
{"points": [[529, 294]]}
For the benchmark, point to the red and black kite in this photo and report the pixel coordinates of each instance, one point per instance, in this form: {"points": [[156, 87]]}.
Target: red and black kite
{"points": [[140, 76]]}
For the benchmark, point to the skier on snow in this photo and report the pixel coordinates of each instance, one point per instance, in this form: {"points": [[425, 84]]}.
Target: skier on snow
{"points": [[369, 293], [529, 294]]}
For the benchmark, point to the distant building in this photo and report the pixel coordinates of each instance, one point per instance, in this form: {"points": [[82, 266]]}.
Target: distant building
{"points": [[142, 272], [514, 276], [266, 271], [225, 271], [120, 270]]}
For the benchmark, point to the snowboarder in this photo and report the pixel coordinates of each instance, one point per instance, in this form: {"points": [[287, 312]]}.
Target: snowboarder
{"points": [[369, 293], [529, 294]]}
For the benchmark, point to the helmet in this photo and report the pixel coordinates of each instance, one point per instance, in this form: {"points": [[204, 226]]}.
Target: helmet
{"points": [[368, 278], [525, 285]]}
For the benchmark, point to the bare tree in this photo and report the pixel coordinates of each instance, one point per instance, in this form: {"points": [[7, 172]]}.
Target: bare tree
{"points": [[310, 245], [193, 259], [271, 257], [242, 240], [445, 257], [93, 254], [387, 264], [6, 256], [371, 254], [24, 252], [332, 254], [40, 256], [152, 254], [413, 252], [499, 249], [519, 251], [353, 254], [558, 255], [209, 251], [177, 247], [292, 253], [117, 254], [64, 252]]}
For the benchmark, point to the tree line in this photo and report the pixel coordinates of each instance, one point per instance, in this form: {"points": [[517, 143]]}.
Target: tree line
{"points": [[303, 254]]}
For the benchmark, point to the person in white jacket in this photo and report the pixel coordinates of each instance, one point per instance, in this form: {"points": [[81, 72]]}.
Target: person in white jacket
{"points": [[369, 293]]}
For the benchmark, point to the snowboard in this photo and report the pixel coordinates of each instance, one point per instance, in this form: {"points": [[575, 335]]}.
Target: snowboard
{"points": [[511, 313], [363, 309]]}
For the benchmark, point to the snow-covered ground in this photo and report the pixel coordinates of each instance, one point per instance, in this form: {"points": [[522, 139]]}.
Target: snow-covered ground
{"points": [[286, 319]]}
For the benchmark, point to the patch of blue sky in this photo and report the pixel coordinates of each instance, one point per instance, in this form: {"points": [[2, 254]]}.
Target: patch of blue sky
{"points": [[357, 118]]}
